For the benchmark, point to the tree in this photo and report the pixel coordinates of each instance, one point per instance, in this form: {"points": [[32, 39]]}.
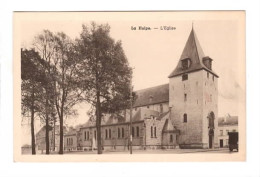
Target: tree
{"points": [[105, 72], [32, 80], [61, 63], [45, 45], [67, 92]]}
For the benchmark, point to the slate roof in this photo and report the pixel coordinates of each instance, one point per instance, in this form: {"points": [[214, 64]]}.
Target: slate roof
{"points": [[229, 120], [140, 115], [193, 51], [153, 95]]}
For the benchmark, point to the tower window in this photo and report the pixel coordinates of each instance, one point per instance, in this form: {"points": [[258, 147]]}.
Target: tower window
{"points": [[184, 77], [185, 118], [185, 97], [155, 132], [151, 131]]}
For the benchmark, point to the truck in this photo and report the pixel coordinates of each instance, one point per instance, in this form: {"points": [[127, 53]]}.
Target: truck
{"points": [[233, 141]]}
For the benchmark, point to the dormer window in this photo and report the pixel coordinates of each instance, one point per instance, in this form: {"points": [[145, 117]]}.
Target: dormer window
{"points": [[207, 62], [185, 63]]}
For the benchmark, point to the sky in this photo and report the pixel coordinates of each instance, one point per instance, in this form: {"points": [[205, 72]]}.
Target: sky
{"points": [[155, 53]]}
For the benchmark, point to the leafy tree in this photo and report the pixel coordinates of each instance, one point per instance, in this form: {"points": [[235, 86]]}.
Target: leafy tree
{"points": [[67, 92], [45, 43], [32, 80], [61, 63], [104, 72]]}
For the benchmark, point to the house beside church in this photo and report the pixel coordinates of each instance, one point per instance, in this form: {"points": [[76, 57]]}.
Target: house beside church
{"points": [[182, 113], [226, 124]]}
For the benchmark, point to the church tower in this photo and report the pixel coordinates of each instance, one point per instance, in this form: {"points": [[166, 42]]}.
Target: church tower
{"points": [[193, 90]]}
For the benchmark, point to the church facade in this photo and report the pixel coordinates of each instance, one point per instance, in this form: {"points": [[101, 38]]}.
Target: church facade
{"points": [[182, 113]]}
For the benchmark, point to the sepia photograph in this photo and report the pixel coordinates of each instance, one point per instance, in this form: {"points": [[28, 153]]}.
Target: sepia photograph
{"points": [[129, 86]]}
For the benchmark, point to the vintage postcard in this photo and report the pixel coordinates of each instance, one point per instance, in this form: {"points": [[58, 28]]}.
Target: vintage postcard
{"points": [[129, 86]]}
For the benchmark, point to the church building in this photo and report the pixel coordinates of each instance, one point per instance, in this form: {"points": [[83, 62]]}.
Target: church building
{"points": [[182, 113]]}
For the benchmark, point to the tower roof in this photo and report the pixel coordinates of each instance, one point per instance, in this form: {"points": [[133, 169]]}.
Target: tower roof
{"points": [[195, 54]]}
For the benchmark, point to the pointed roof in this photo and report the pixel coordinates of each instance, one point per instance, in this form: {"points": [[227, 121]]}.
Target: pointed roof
{"points": [[169, 128], [194, 52]]}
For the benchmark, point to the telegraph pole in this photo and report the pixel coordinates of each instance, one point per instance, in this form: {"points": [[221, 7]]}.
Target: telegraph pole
{"points": [[131, 107]]}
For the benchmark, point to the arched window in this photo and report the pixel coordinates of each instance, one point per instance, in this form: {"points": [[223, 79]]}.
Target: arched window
{"points": [[123, 133], [133, 132], [137, 131], [85, 135], [151, 131], [88, 136], [185, 119], [155, 132], [118, 132]]}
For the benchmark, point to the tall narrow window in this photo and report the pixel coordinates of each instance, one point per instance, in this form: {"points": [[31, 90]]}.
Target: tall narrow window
{"points": [[185, 97], [133, 132], [151, 131], [88, 135], [67, 141], [95, 134], [85, 135], [207, 75], [123, 133], [109, 133], [185, 118], [106, 133], [171, 138], [137, 131], [155, 132], [118, 132], [161, 108]]}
